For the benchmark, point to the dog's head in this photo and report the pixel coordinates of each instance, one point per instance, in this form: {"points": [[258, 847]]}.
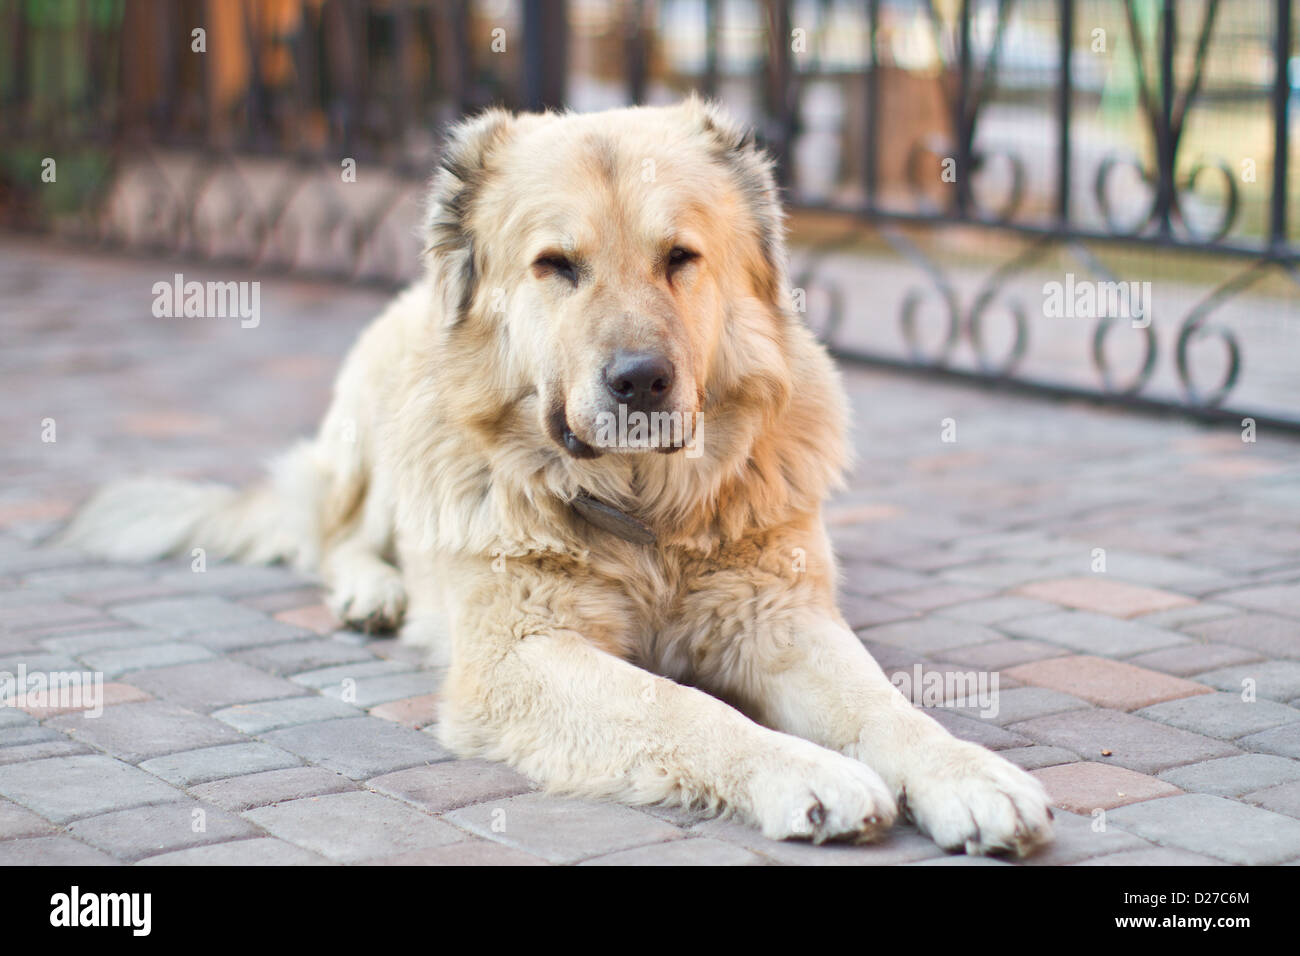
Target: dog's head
{"points": [[626, 266]]}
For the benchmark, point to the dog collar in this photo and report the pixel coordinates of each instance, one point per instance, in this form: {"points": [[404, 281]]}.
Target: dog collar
{"points": [[611, 519]]}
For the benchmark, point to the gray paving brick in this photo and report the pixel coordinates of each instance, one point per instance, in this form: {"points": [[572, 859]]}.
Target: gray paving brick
{"points": [[978, 731], [11, 718], [451, 784], [1037, 757], [31, 734], [67, 788], [1233, 776], [145, 831], [1186, 660], [1133, 742], [930, 636], [351, 827], [699, 851], [903, 844], [258, 851], [1284, 798], [860, 611], [1221, 715], [215, 763], [77, 644], [16, 821], [994, 610], [252, 790], [52, 851], [1213, 826], [1284, 741], [41, 751], [1154, 856], [1092, 633], [136, 732], [472, 852], [245, 636], [1275, 680], [560, 830], [186, 615], [1181, 618], [212, 685], [1281, 599], [1078, 838], [333, 677], [276, 714], [369, 691], [295, 657], [116, 661], [997, 655], [360, 747], [231, 580], [1266, 634], [1021, 703]]}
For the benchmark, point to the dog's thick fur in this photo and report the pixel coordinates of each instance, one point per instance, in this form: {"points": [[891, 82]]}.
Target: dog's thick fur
{"points": [[438, 491]]}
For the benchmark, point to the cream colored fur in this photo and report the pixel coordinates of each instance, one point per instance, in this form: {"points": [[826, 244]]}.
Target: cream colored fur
{"points": [[436, 492]]}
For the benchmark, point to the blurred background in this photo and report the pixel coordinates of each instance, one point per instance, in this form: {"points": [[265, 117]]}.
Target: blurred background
{"points": [[944, 161]]}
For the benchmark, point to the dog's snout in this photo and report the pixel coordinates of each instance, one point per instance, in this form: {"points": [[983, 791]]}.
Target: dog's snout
{"points": [[640, 380]]}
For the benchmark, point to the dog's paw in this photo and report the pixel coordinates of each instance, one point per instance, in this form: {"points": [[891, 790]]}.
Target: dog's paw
{"points": [[967, 798], [370, 602], [806, 792]]}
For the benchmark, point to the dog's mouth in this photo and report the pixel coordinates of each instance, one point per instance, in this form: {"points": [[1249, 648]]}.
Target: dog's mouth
{"points": [[558, 425]]}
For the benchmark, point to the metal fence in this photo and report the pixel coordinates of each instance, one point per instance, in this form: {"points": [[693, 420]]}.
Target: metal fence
{"points": [[878, 111]]}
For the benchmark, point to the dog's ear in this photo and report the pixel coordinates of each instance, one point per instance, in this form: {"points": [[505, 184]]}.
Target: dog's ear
{"points": [[462, 169], [735, 147]]}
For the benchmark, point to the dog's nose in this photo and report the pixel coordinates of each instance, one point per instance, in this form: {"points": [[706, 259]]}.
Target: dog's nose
{"points": [[639, 380]]}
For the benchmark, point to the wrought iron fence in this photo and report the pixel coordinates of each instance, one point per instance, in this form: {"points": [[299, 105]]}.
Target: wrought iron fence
{"points": [[878, 111]]}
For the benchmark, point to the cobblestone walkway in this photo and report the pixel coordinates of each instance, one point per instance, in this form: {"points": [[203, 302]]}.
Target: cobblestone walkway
{"points": [[1132, 584]]}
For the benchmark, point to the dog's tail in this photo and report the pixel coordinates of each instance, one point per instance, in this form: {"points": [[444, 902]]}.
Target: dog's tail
{"points": [[144, 519]]}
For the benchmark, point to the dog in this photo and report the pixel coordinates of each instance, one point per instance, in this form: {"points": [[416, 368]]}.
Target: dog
{"points": [[583, 461]]}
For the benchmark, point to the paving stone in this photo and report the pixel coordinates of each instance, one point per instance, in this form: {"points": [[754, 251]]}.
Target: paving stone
{"points": [[1104, 595], [267, 715], [1265, 634], [1086, 786], [295, 657], [999, 655], [333, 677], [355, 826], [1213, 826], [258, 851], [52, 851], [1019, 703], [1033, 758], [315, 617], [1281, 599], [1222, 715], [930, 636], [31, 616], [560, 830], [978, 731], [1284, 798], [1233, 776], [1181, 618], [1275, 680], [17, 736], [67, 788], [934, 596], [1190, 659], [470, 853], [41, 751], [252, 790], [114, 662], [231, 580], [145, 831], [360, 747], [995, 609], [860, 611], [1084, 837], [16, 822], [212, 685], [870, 579], [214, 763], [108, 695], [413, 712], [1155, 856], [1106, 683], [1135, 743], [1090, 633], [187, 615], [700, 851], [452, 784], [242, 637], [1284, 741], [136, 732], [370, 691], [77, 644]]}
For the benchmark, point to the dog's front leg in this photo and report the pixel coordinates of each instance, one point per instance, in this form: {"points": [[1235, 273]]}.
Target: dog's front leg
{"points": [[577, 719], [806, 673]]}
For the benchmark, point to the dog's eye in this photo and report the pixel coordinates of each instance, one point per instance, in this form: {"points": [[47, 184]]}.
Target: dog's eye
{"points": [[679, 256], [556, 265]]}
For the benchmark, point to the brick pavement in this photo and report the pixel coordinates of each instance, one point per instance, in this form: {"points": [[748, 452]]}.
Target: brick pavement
{"points": [[1132, 583]]}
